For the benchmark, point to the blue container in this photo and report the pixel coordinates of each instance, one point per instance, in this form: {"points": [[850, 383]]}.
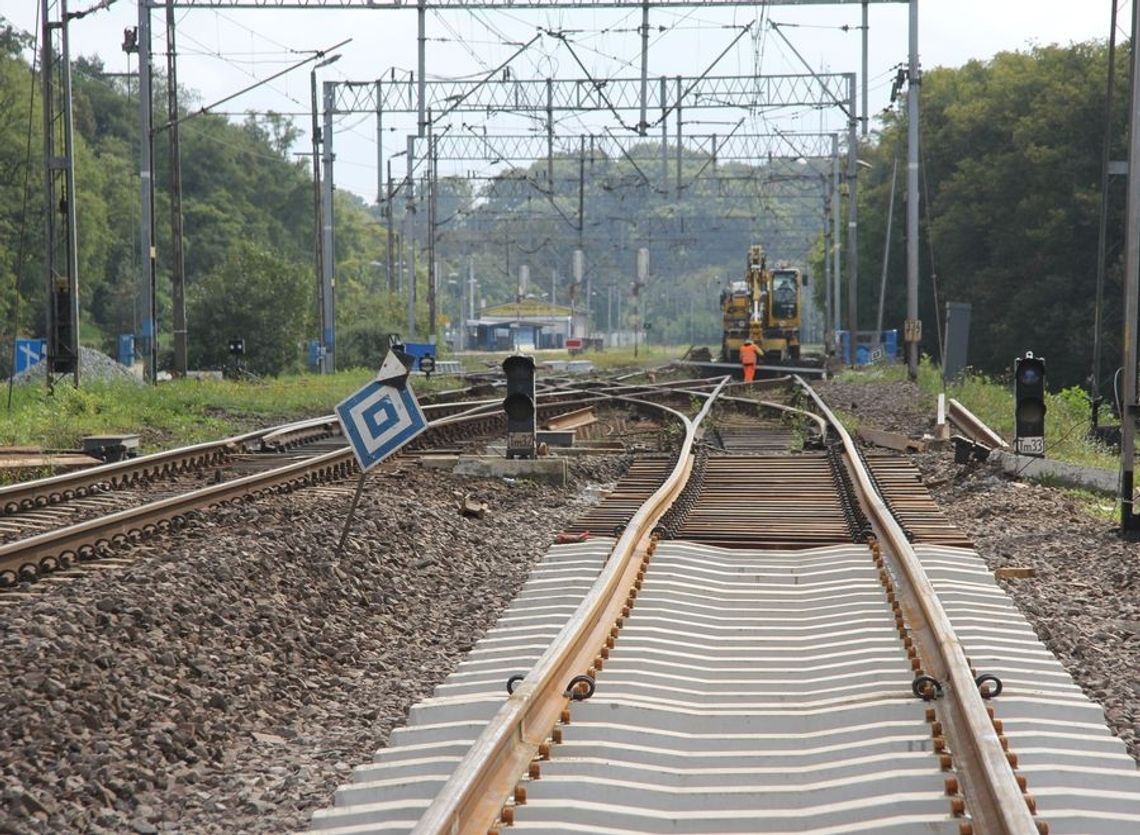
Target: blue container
{"points": [[865, 354], [891, 343], [419, 350], [127, 349]]}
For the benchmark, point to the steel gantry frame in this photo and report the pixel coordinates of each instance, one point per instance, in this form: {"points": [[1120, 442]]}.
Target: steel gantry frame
{"points": [[913, 326], [550, 96]]}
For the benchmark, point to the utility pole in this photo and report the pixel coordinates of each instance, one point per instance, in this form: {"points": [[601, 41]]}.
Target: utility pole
{"points": [[1095, 397], [852, 216], [421, 43], [379, 143], [409, 237], [643, 124], [432, 185], [664, 139], [866, 48], [471, 287], [178, 259], [912, 333], [146, 183], [318, 218], [550, 137], [836, 204], [680, 125], [318, 230], [1128, 519], [828, 302], [462, 342], [328, 282], [388, 212], [581, 229], [59, 181]]}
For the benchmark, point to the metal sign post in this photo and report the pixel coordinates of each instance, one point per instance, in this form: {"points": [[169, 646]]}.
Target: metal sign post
{"points": [[378, 420]]}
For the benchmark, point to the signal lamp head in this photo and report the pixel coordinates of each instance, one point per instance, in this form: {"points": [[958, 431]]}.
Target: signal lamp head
{"points": [[1029, 374]]}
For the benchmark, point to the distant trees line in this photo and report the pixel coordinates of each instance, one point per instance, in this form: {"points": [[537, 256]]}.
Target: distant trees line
{"points": [[1010, 200]]}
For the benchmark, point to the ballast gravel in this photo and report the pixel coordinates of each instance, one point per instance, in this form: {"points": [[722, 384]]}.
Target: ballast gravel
{"points": [[229, 679]]}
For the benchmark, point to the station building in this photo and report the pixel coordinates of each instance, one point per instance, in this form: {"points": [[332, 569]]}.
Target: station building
{"points": [[525, 325]]}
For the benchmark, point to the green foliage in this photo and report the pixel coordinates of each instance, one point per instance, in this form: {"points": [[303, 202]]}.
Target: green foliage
{"points": [[1010, 199], [991, 400], [1010, 202], [174, 413], [239, 184], [1076, 402], [259, 297]]}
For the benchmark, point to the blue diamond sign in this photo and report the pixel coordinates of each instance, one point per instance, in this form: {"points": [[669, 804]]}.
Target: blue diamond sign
{"points": [[381, 417]]}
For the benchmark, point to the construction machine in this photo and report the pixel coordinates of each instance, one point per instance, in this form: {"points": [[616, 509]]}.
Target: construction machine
{"points": [[763, 307]]}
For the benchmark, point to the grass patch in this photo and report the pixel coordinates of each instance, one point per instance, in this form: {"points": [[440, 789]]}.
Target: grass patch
{"points": [[181, 412], [1067, 417], [1098, 505], [174, 413]]}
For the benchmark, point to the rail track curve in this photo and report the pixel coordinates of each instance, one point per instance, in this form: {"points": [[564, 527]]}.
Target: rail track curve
{"points": [[867, 675]]}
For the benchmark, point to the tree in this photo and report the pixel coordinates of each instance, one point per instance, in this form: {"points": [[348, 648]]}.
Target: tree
{"points": [[256, 296], [1012, 151]]}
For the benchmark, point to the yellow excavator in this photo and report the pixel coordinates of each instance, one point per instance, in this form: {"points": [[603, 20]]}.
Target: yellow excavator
{"points": [[763, 307]]}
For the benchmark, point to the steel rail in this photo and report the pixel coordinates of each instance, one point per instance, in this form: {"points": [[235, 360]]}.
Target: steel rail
{"points": [[683, 387], [820, 422], [45, 491], [996, 802], [301, 432], [973, 426], [48, 550], [54, 489], [15, 556], [472, 799]]}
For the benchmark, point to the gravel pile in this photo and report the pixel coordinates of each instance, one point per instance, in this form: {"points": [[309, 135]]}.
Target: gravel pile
{"points": [[230, 681], [1084, 598], [93, 365]]}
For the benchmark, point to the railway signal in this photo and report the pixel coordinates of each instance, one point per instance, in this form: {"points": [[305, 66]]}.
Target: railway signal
{"points": [[1029, 404], [519, 405]]}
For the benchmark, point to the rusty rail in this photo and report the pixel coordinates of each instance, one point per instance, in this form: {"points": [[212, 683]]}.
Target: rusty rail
{"points": [[28, 558], [996, 800], [471, 800]]}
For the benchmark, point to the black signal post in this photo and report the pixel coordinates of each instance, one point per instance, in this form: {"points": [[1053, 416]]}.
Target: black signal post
{"points": [[1029, 404], [519, 405]]}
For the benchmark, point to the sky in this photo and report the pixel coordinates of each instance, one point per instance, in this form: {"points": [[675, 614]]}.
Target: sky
{"points": [[223, 51]]}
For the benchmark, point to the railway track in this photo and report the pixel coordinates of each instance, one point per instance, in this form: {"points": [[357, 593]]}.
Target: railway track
{"points": [[757, 636], [56, 524]]}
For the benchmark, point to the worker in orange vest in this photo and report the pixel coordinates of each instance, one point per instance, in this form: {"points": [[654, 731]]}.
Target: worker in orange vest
{"points": [[749, 356]]}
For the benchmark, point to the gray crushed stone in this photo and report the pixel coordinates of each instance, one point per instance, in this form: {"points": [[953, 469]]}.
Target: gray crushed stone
{"points": [[93, 365], [228, 679], [1084, 598]]}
